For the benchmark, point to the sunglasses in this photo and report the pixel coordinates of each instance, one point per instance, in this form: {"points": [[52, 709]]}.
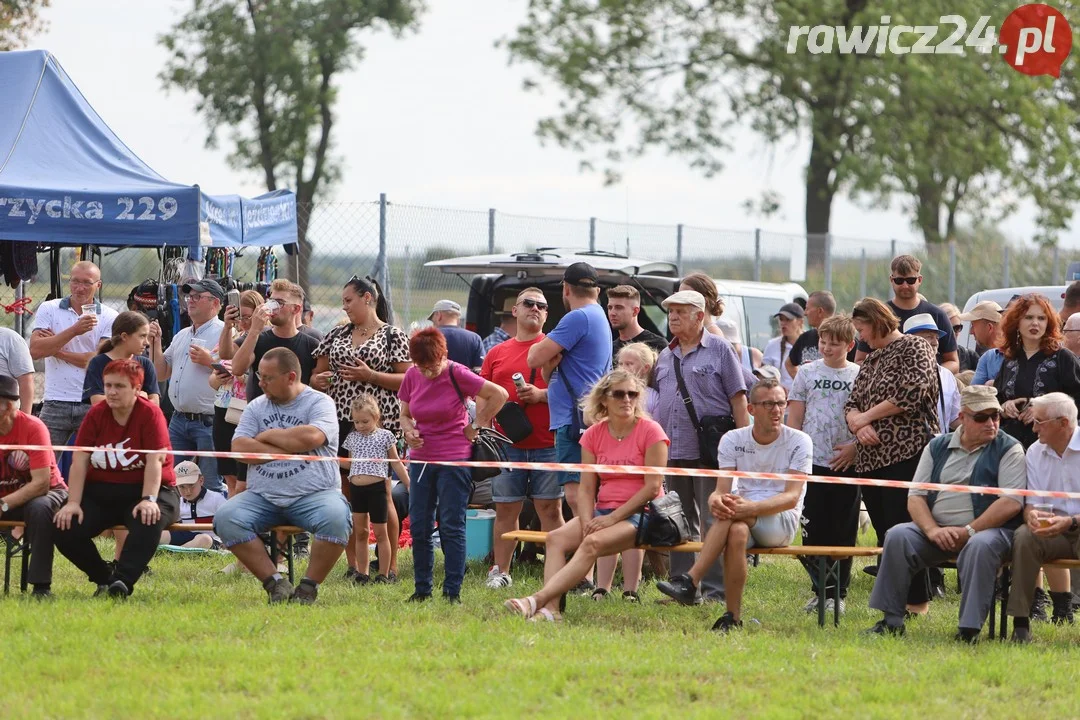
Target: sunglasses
{"points": [[534, 304], [624, 394], [984, 416], [905, 280]]}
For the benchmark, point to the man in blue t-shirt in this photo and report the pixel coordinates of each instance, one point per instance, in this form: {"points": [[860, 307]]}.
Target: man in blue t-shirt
{"points": [[573, 357], [462, 346]]}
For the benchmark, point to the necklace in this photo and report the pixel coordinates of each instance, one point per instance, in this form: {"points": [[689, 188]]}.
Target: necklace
{"points": [[620, 438], [366, 332]]}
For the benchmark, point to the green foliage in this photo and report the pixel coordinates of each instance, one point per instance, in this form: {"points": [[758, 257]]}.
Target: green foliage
{"points": [[949, 134], [19, 19]]}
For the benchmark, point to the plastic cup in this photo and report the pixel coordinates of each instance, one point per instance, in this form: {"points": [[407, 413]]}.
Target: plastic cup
{"points": [[1045, 512], [90, 309]]}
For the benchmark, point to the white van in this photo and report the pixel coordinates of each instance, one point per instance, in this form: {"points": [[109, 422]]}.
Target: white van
{"points": [[1054, 293]]}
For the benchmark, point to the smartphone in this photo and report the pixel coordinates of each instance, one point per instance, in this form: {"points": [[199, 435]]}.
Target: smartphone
{"points": [[220, 368], [232, 298]]}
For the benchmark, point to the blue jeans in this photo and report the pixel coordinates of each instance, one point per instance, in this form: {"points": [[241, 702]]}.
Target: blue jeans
{"points": [[450, 488], [187, 434], [567, 451], [62, 419], [325, 514]]}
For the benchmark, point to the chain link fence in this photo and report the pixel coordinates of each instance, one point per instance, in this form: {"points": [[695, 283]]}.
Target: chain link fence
{"points": [[351, 238]]}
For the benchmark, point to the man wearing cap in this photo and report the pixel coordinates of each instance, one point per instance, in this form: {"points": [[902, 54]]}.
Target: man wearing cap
{"points": [[507, 326], [714, 380], [572, 357], [1051, 529], [948, 409], [462, 346], [31, 488], [66, 334], [985, 319], [906, 279], [197, 505], [186, 364], [974, 530], [776, 351]]}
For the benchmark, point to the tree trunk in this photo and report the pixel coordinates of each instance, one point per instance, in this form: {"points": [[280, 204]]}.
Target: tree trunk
{"points": [[300, 263], [819, 198]]}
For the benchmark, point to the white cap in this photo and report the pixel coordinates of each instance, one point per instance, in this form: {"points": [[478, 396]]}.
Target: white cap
{"points": [[685, 297], [187, 473]]}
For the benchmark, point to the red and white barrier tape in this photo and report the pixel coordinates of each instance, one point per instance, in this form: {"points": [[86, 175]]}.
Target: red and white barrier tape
{"points": [[581, 467]]}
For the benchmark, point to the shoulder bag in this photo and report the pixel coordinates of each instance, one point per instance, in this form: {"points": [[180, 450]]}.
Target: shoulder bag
{"points": [[663, 522], [709, 428], [488, 446], [512, 419]]}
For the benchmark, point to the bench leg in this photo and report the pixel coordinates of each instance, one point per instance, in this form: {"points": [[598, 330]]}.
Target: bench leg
{"points": [[823, 579], [289, 554], [26, 550], [8, 552], [1006, 583]]}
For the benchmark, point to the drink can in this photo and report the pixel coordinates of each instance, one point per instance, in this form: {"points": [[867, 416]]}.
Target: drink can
{"points": [[519, 381]]}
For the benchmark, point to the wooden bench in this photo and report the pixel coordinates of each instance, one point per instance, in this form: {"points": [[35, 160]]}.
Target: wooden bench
{"points": [[824, 557], [22, 547]]}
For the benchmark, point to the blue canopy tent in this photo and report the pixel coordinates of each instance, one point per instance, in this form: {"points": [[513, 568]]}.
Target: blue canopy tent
{"points": [[66, 178]]}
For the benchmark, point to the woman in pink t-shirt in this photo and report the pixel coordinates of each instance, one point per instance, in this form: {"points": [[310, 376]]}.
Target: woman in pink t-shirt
{"points": [[621, 435]]}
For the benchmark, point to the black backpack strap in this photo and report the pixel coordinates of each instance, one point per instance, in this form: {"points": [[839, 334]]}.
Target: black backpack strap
{"points": [[689, 403], [457, 388], [532, 377]]}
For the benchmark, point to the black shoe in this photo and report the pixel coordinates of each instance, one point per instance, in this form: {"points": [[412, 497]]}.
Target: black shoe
{"points": [[1021, 635], [870, 570], [391, 577], [351, 573], [278, 591], [42, 592], [1039, 603], [102, 590], [938, 591], [727, 623], [585, 587], [119, 590], [380, 580], [419, 597], [680, 588], [306, 593], [883, 628], [452, 598], [1063, 612], [967, 635], [361, 579]]}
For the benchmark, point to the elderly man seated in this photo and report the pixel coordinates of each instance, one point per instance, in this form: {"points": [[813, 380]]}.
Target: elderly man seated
{"points": [[973, 529], [1052, 525]]}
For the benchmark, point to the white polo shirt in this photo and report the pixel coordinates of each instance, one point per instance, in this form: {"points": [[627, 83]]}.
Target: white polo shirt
{"points": [[64, 381], [1047, 471]]}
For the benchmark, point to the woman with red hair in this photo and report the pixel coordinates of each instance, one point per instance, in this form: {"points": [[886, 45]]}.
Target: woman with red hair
{"points": [[1036, 363], [114, 485], [435, 421]]}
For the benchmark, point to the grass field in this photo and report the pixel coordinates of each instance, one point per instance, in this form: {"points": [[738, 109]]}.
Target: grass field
{"points": [[193, 643]]}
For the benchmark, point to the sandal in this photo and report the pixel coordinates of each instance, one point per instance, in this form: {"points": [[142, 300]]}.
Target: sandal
{"points": [[545, 615], [630, 596], [599, 593], [525, 607]]}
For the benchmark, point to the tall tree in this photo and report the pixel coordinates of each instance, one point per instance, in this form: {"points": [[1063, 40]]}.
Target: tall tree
{"points": [[679, 74], [18, 20], [265, 72]]}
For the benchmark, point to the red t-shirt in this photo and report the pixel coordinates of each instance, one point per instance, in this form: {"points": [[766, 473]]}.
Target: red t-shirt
{"points": [[500, 364], [113, 463], [15, 465]]}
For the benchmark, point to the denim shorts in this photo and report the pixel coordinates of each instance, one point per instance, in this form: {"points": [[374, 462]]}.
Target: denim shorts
{"points": [[774, 530], [567, 451], [515, 485], [326, 514], [635, 519]]}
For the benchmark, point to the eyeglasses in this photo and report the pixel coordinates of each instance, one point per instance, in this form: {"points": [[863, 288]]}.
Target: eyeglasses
{"points": [[984, 416], [1037, 421], [905, 280], [84, 283], [957, 328], [534, 304], [624, 394], [773, 404], [196, 298], [266, 378]]}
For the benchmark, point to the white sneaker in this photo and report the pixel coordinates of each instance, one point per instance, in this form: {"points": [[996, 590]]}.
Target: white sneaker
{"points": [[830, 604], [498, 579], [811, 605]]}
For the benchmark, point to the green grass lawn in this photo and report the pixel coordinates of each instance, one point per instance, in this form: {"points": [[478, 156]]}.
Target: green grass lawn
{"points": [[193, 643]]}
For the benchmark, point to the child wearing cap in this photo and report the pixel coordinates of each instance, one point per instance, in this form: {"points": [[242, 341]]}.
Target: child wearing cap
{"points": [[198, 504]]}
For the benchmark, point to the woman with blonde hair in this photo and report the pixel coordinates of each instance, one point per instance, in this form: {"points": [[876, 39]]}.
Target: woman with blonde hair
{"points": [[607, 521]]}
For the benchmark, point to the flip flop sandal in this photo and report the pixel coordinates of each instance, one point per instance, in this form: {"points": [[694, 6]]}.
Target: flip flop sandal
{"points": [[631, 596], [545, 615], [599, 594], [525, 607]]}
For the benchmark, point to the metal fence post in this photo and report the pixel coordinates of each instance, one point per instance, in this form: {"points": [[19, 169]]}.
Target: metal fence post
{"points": [[592, 234], [828, 261], [757, 254], [862, 273], [952, 272], [1005, 282], [408, 286], [1057, 265], [491, 230], [678, 248], [382, 262], [892, 249]]}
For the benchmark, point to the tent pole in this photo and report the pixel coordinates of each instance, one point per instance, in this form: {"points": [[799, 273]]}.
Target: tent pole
{"points": [[20, 292]]}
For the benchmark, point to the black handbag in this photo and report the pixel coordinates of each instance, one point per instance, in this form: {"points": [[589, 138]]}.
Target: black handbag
{"points": [[709, 428], [512, 419], [488, 446], [663, 523]]}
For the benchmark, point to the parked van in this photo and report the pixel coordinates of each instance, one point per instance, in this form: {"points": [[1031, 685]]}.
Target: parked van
{"points": [[494, 278], [1054, 293]]}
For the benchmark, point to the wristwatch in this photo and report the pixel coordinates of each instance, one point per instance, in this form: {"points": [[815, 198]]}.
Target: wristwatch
{"points": [[970, 531], [4, 508], [474, 426], [151, 498]]}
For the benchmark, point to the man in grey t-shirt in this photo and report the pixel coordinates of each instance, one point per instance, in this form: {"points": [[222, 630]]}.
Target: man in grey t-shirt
{"points": [[15, 362], [291, 419]]}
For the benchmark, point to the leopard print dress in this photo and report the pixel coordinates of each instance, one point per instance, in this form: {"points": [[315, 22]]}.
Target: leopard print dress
{"points": [[905, 373], [388, 346]]}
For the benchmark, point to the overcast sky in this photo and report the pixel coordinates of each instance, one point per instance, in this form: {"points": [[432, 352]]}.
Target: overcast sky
{"points": [[436, 119]]}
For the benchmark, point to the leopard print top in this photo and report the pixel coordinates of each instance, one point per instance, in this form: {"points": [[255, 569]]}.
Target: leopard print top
{"points": [[389, 345], [903, 372]]}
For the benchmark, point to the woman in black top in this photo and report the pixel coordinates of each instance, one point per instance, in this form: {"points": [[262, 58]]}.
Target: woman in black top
{"points": [[130, 338], [1036, 363]]}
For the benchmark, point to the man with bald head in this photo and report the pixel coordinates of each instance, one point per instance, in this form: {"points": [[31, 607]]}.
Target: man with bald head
{"points": [[1072, 334], [66, 334]]}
